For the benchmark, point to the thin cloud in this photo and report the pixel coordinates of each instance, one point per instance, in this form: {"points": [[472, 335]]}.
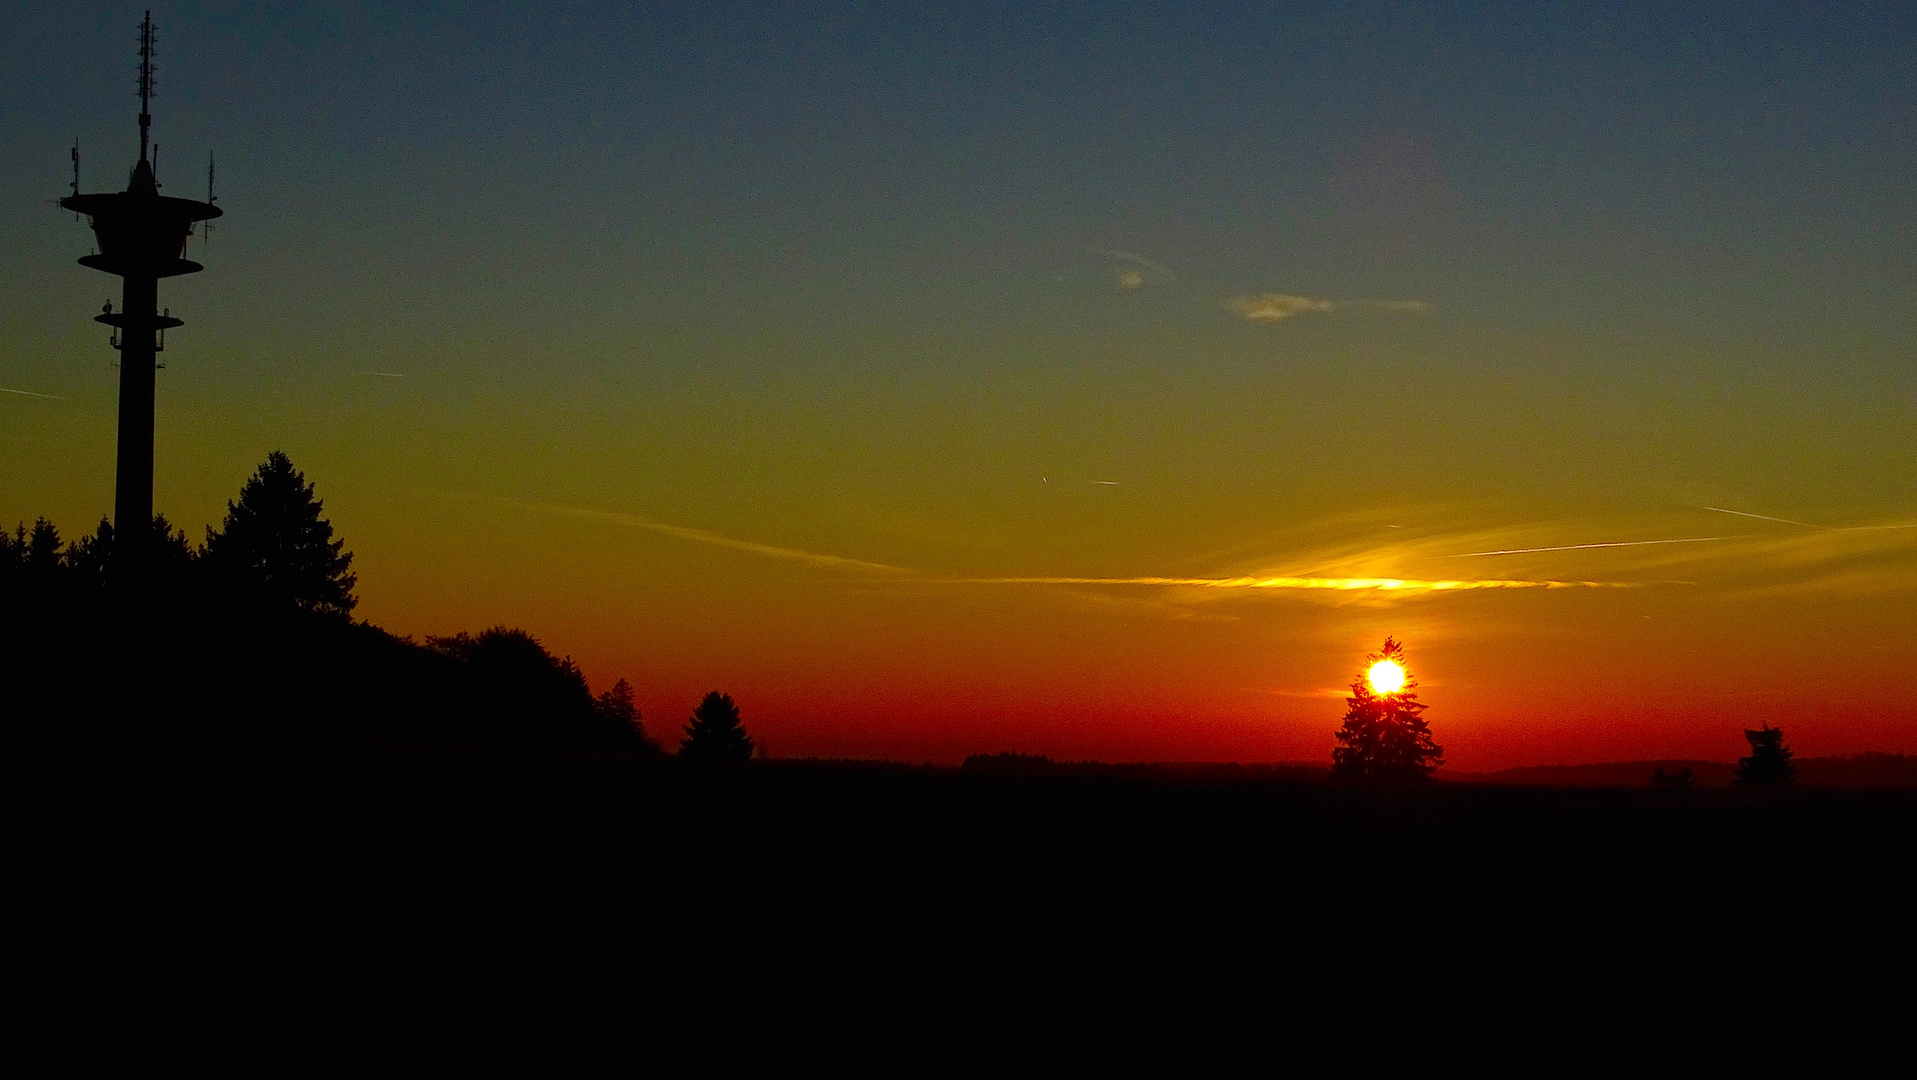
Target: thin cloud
{"points": [[1272, 307], [1338, 584], [1135, 259], [1276, 306], [1394, 307], [29, 393]]}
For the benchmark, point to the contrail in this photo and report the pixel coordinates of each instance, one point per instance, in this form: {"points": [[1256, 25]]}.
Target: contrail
{"points": [[386, 374], [1339, 584], [1581, 547], [700, 536], [1808, 525], [1766, 517], [29, 393]]}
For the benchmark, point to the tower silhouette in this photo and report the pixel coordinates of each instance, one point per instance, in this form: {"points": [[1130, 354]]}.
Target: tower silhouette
{"points": [[141, 238]]}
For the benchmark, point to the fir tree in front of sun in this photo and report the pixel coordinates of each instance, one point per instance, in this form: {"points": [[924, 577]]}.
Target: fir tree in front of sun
{"points": [[1384, 734]]}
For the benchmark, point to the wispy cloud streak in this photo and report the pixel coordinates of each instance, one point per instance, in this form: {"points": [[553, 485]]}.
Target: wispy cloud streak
{"points": [[1135, 259], [1272, 307], [1340, 584], [1277, 306]]}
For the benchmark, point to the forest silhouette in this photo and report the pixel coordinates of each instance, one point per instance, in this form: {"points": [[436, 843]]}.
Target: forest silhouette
{"points": [[248, 639]]}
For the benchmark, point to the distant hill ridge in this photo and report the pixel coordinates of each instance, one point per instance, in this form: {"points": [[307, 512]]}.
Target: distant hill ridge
{"points": [[1865, 770], [1868, 770]]}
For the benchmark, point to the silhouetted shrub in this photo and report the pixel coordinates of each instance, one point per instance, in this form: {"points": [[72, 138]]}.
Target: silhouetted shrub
{"points": [[714, 732], [1769, 763], [275, 548], [1681, 780]]}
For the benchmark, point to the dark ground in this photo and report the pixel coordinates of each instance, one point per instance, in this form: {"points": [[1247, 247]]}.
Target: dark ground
{"points": [[262, 796], [776, 846]]}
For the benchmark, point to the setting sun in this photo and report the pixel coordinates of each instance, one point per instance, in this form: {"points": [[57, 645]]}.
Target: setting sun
{"points": [[1386, 677]]}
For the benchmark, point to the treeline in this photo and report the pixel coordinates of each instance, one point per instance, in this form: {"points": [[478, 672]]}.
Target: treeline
{"points": [[247, 638]]}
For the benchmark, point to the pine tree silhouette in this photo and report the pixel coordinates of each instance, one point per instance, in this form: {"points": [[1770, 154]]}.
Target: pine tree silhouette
{"points": [[1770, 760], [714, 732], [617, 706], [1383, 734], [275, 547]]}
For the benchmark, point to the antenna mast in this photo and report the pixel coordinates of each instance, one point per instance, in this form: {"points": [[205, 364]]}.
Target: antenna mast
{"points": [[206, 234], [146, 78]]}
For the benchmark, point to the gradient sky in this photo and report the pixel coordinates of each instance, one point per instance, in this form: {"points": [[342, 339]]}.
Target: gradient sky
{"points": [[992, 380]]}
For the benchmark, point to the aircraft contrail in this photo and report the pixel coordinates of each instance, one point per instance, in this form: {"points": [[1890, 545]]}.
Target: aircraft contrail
{"points": [[1580, 547], [700, 536], [1808, 525], [1765, 517], [386, 374], [29, 393]]}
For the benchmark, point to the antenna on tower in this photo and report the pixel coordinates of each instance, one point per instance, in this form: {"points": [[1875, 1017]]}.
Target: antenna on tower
{"points": [[146, 78], [206, 237], [76, 172]]}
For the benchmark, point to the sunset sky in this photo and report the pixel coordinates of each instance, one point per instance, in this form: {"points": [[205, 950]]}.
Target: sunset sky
{"points": [[1099, 383]]}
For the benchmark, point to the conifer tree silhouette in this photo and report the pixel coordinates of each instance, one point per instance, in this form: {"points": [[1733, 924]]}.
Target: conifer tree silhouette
{"points": [[1770, 760], [275, 547], [617, 706], [40, 550], [91, 557], [1383, 734], [714, 732]]}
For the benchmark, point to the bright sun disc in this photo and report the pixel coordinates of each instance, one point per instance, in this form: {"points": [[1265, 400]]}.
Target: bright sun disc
{"points": [[1386, 677]]}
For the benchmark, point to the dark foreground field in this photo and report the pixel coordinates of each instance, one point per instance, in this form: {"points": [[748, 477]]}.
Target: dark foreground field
{"points": [[765, 851]]}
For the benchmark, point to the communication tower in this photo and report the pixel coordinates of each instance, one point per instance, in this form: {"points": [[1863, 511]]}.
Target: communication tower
{"points": [[141, 238]]}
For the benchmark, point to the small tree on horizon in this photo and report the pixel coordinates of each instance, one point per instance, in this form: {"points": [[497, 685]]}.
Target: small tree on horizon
{"points": [[1383, 734], [714, 732], [617, 705], [1770, 760], [1681, 780], [275, 546]]}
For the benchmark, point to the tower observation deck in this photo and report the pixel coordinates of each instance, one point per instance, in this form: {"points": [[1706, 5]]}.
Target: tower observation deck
{"points": [[141, 238]]}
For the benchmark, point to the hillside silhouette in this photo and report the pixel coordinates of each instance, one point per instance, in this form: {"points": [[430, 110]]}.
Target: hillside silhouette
{"points": [[247, 640]]}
